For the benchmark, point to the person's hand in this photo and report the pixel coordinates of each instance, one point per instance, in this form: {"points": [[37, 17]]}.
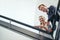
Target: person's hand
{"points": [[51, 30], [37, 26], [48, 23], [41, 26]]}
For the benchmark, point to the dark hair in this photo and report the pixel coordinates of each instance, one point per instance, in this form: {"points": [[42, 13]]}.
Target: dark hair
{"points": [[41, 5]]}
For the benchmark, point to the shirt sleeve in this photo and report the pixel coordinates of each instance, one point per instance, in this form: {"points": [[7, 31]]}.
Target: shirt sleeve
{"points": [[51, 12]]}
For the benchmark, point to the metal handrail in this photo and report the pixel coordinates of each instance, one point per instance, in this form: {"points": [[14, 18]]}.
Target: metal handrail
{"points": [[24, 24]]}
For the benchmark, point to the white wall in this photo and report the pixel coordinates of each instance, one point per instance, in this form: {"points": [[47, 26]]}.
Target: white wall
{"points": [[21, 10]]}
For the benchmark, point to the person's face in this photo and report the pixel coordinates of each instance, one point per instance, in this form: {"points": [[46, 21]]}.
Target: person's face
{"points": [[41, 19], [43, 8]]}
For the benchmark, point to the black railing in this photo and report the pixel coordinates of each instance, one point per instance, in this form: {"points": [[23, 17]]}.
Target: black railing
{"points": [[24, 24]]}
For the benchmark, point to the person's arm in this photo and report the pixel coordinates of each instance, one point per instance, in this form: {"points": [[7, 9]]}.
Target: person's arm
{"points": [[51, 13], [45, 28], [37, 26], [59, 10]]}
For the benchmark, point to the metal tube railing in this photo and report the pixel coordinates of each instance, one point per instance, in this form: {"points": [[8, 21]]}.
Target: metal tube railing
{"points": [[24, 24]]}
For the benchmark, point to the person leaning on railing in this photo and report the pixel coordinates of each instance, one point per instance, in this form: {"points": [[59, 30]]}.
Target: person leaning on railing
{"points": [[52, 16], [43, 23]]}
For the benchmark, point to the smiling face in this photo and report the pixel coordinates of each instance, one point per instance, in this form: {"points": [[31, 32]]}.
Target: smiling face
{"points": [[42, 7], [41, 19]]}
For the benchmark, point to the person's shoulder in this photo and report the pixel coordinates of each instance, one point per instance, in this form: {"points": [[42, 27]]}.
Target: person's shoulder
{"points": [[52, 7]]}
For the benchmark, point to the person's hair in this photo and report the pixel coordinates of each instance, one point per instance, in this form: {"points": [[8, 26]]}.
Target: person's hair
{"points": [[41, 17], [40, 5]]}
